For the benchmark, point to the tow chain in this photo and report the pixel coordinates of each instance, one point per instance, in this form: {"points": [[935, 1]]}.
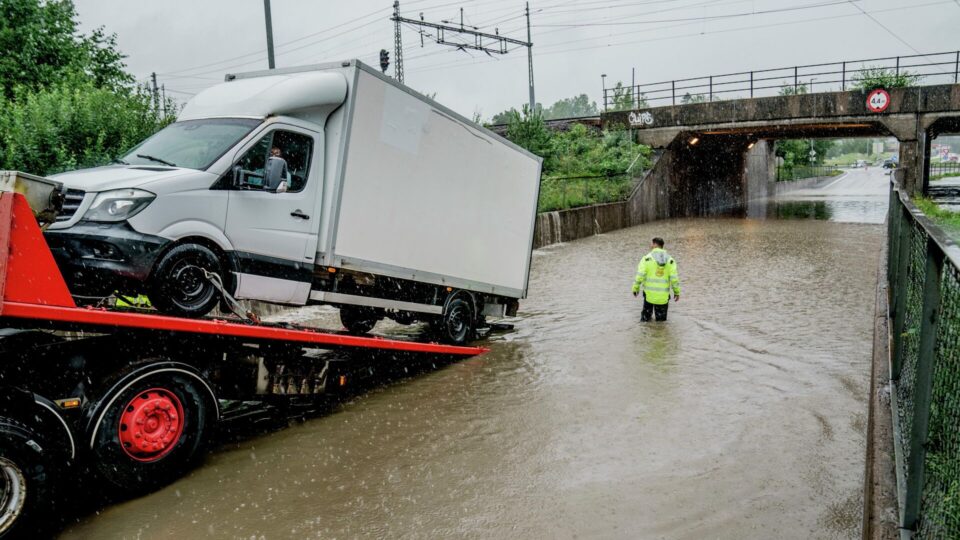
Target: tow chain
{"points": [[235, 307]]}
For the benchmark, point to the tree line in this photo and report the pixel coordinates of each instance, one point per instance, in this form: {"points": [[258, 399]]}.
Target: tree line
{"points": [[66, 99]]}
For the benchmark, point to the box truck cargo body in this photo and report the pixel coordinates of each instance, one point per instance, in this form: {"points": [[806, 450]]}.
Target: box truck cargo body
{"points": [[322, 184]]}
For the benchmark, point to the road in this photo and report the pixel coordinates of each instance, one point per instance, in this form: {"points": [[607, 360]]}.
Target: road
{"points": [[741, 417], [858, 196]]}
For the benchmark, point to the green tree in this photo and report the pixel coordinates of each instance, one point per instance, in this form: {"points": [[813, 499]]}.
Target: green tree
{"points": [[41, 46], [528, 130], [695, 98], [74, 125], [796, 152], [793, 90], [623, 99], [871, 78], [571, 108]]}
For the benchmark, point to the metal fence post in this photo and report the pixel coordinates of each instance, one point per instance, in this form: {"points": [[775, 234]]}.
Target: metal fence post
{"points": [[711, 88], [843, 80], [893, 243], [923, 384], [898, 66], [956, 68], [751, 84], [900, 289], [673, 91], [796, 86]]}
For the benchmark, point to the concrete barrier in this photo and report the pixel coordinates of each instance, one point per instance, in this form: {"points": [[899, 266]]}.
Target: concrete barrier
{"points": [[649, 201]]}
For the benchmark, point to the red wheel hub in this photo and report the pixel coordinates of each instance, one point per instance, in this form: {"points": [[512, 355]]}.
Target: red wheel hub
{"points": [[151, 424]]}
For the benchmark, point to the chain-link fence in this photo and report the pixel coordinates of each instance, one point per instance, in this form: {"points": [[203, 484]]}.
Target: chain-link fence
{"points": [[924, 277]]}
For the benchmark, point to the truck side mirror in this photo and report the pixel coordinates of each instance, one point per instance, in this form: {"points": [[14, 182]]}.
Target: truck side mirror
{"points": [[275, 172], [237, 179]]}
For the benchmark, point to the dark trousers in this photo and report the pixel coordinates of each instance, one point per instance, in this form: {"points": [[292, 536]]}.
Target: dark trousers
{"points": [[659, 310]]}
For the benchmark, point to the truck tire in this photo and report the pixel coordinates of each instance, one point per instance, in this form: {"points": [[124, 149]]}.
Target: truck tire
{"points": [[149, 432], [458, 324], [178, 285], [26, 478], [358, 319]]}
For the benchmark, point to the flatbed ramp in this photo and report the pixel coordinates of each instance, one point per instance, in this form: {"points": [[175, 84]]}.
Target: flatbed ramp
{"points": [[36, 295]]}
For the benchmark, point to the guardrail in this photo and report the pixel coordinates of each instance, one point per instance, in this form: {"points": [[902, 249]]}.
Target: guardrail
{"points": [[923, 273], [788, 174], [946, 167], [934, 68]]}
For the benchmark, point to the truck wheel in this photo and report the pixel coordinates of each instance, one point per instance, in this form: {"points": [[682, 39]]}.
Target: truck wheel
{"points": [[358, 319], [152, 431], [459, 323], [26, 476], [179, 286]]}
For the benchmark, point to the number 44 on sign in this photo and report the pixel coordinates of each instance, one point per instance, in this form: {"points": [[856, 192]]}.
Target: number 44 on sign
{"points": [[878, 100]]}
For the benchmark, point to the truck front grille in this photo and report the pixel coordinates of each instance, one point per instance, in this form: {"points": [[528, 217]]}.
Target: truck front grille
{"points": [[71, 202]]}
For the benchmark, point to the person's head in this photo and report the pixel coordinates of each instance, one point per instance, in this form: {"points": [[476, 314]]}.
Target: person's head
{"points": [[275, 152], [657, 242]]}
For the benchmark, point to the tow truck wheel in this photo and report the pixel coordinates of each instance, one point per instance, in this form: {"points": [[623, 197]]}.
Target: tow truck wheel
{"points": [[25, 479], [459, 323], [358, 319], [152, 431], [179, 285]]}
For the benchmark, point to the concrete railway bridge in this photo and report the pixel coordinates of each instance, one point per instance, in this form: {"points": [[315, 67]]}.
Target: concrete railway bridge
{"points": [[720, 154]]}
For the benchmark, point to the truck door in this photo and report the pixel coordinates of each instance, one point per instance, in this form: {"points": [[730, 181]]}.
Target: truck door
{"points": [[274, 231]]}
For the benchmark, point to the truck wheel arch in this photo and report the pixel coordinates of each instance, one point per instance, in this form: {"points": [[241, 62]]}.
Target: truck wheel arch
{"points": [[113, 392], [227, 259]]}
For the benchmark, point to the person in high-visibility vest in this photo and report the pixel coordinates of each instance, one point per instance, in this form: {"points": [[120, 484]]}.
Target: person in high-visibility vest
{"points": [[656, 277]]}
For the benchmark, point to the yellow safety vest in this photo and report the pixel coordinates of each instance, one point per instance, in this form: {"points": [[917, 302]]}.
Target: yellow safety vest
{"points": [[140, 301], [657, 279]]}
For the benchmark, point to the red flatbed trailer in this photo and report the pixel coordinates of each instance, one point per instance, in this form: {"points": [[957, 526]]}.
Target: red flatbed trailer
{"points": [[138, 396]]}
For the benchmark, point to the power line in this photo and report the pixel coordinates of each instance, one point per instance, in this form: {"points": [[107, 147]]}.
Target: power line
{"points": [[705, 18], [453, 65], [889, 31]]}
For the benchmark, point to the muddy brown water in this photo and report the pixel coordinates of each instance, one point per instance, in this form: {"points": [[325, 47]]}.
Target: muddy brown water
{"points": [[741, 417]]}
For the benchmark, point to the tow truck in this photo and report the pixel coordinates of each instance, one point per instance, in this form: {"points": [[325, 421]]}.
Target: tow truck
{"points": [[132, 396]]}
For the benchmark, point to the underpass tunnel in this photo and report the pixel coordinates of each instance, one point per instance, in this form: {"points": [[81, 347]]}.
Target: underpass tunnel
{"points": [[707, 175], [721, 171]]}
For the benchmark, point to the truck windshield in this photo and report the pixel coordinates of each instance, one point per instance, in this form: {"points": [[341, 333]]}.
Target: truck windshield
{"points": [[193, 144]]}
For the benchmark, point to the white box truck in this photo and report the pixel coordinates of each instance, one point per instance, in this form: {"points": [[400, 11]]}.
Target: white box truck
{"points": [[321, 184]]}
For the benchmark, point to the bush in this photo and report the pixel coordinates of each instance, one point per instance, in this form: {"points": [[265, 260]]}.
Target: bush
{"points": [[871, 78], [73, 125]]}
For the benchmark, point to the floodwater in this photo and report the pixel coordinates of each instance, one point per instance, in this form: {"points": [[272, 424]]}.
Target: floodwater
{"points": [[743, 416]]}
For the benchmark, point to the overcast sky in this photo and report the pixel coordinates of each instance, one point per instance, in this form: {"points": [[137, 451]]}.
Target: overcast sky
{"points": [[192, 44]]}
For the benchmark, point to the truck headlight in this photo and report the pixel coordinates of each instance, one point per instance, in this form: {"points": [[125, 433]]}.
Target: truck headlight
{"points": [[118, 205]]}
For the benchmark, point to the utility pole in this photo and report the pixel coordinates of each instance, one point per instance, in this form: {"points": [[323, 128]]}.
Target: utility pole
{"points": [[156, 93], [533, 100], [163, 95], [482, 41], [269, 21], [397, 43]]}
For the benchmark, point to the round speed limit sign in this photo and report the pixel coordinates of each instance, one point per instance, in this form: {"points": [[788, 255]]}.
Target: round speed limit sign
{"points": [[878, 100]]}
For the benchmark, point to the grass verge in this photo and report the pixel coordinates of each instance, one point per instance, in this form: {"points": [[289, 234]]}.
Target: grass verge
{"points": [[565, 193], [948, 220]]}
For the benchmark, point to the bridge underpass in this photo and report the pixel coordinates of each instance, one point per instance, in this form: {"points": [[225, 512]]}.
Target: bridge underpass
{"points": [[718, 155], [741, 417]]}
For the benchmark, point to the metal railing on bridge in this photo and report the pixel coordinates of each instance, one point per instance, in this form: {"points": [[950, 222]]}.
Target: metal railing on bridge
{"points": [[934, 68], [944, 168], [923, 273]]}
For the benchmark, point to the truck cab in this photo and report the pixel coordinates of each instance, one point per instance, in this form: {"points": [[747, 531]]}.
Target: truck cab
{"points": [[198, 196]]}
